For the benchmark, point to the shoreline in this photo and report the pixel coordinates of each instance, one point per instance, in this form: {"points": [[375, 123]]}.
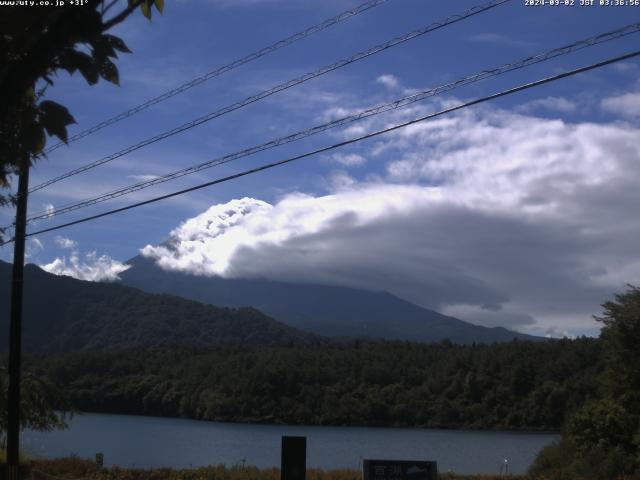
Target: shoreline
{"points": [[327, 425]]}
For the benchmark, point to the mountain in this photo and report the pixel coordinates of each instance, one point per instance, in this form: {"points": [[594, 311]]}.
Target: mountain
{"points": [[324, 310], [65, 314]]}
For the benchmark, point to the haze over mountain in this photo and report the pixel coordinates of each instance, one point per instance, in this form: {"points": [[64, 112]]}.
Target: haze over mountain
{"points": [[332, 311], [64, 314]]}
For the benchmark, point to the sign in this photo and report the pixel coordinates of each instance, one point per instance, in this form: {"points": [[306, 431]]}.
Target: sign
{"points": [[399, 470]]}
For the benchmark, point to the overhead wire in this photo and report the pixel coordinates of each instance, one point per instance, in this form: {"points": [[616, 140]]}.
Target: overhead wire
{"points": [[268, 166], [281, 87], [221, 70], [396, 104]]}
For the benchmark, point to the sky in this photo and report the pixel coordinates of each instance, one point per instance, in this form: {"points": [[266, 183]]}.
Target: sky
{"points": [[520, 212]]}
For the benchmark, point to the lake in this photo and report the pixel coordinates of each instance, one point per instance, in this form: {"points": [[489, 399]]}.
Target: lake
{"points": [[169, 442]]}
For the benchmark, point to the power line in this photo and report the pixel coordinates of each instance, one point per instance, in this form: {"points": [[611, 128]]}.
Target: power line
{"points": [[224, 69], [494, 96], [283, 86], [400, 103]]}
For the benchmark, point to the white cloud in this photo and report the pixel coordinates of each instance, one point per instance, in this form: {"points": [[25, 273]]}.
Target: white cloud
{"points": [[627, 105], [209, 232], [143, 178], [499, 218], [348, 160], [89, 267], [48, 208], [33, 247], [340, 180], [64, 242], [557, 104], [555, 332], [624, 67], [388, 80], [333, 113]]}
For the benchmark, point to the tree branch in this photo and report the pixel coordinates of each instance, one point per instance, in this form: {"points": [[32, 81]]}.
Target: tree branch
{"points": [[105, 9], [121, 16]]}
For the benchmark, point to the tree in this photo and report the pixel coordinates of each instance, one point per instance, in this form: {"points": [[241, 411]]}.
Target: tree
{"points": [[35, 44], [602, 438], [39, 396], [621, 338]]}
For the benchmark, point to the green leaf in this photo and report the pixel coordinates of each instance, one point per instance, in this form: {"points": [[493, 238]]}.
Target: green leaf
{"points": [[116, 43], [55, 118], [72, 60], [159, 5], [109, 72], [102, 49], [145, 9], [90, 74], [66, 60]]}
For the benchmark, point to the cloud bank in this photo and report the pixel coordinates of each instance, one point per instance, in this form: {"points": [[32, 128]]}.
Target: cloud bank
{"points": [[495, 217]]}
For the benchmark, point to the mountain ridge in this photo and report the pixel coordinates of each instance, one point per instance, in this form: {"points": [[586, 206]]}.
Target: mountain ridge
{"points": [[331, 311]]}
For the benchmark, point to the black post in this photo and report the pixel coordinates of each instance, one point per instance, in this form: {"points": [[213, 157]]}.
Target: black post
{"points": [[15, 329], [293, 465]]}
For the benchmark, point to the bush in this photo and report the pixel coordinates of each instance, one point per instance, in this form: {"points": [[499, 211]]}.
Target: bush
{"points": [[564, 461]]}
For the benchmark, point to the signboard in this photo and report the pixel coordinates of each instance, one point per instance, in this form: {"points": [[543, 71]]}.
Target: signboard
{"points": [[399, 470]]}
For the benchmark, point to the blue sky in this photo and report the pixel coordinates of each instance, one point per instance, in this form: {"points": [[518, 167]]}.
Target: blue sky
{"points": [[520, 213]]}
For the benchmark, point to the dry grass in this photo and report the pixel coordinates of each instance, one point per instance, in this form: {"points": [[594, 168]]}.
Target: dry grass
{"points": [[73, 468]]}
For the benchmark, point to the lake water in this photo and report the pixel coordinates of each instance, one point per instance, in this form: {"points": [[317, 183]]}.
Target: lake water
{"points": [[169, 442]]}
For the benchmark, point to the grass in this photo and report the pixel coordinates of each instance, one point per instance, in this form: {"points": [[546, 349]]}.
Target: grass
{"points": [[74, 468], [24, 459]]}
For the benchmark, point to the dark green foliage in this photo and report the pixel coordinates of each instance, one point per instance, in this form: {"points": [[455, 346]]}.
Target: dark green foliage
{"points": [[385, 383], [601, 440], [54, 118], [621, 337], [38, 395], [602, 425], [565, 461]]}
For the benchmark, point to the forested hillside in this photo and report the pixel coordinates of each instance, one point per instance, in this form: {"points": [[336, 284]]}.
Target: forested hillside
{"points": [[63, 314], [517, 385]]}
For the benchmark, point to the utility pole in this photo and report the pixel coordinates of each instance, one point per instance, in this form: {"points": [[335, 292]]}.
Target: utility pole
{"points": [[15, 329]]}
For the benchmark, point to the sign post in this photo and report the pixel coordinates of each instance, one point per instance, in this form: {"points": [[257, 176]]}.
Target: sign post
{"points": [[293, 465]]}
